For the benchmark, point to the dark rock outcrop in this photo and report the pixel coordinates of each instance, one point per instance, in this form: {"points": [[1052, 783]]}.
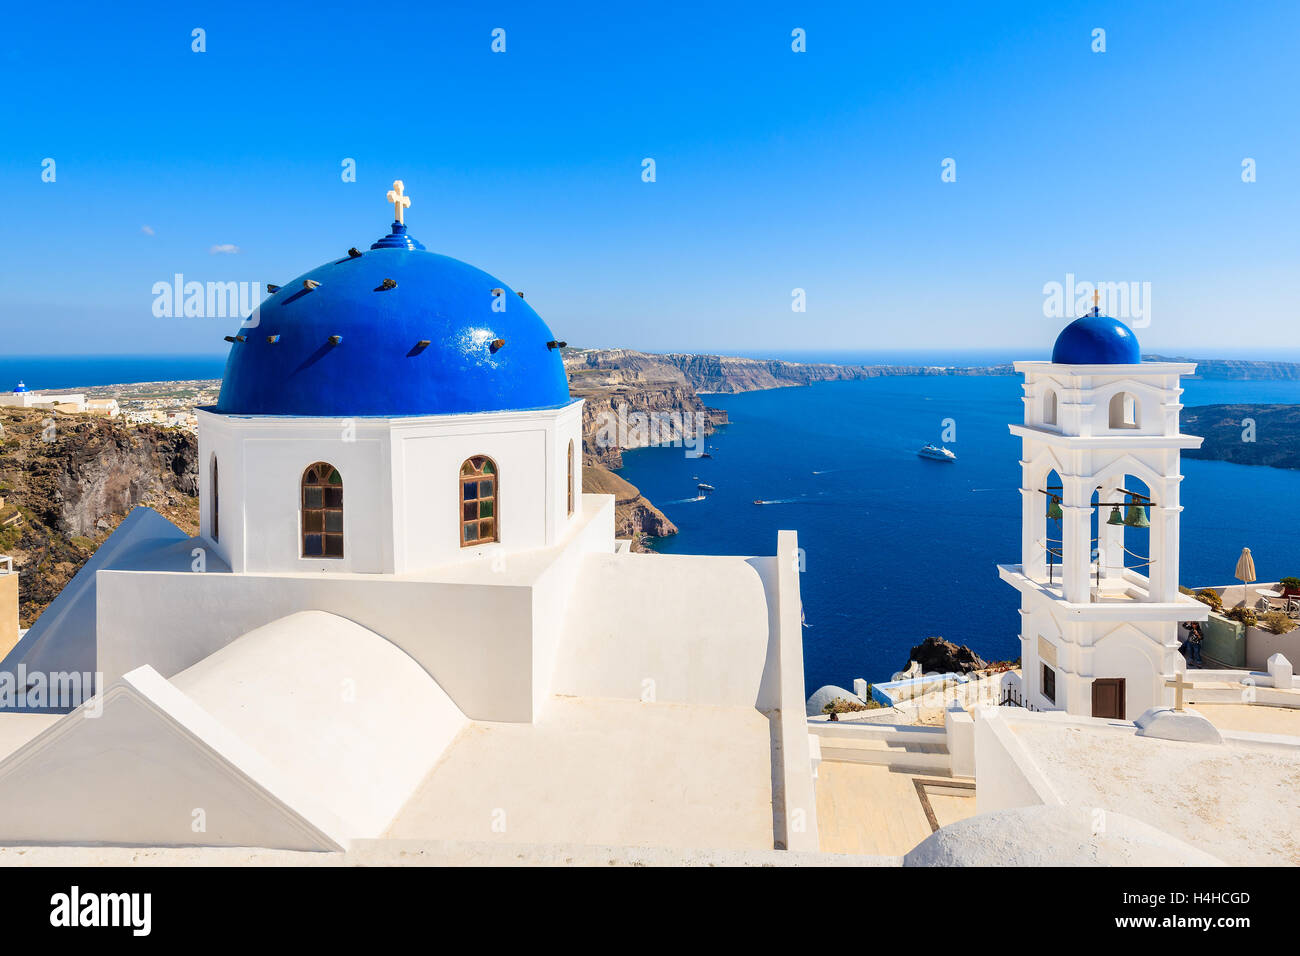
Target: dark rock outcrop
{"points": [[937, 656]]}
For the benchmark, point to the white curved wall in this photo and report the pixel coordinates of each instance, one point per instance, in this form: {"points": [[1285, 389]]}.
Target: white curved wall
{"points": [[339, 709]]}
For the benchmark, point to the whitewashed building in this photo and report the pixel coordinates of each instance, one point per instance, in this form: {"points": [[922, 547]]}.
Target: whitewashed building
{"points": [[1098, 574], [403, 618]]}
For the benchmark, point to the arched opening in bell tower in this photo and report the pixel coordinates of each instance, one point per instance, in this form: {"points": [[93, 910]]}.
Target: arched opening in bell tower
{"points": [[1120, 536]]}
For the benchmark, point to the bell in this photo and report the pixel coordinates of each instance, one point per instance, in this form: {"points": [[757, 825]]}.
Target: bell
{"points": [[1136, 517], [1114, 516], [1054, 510]]}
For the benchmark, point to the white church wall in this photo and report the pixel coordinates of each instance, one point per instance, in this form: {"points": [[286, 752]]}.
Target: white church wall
{"points": [[401, 485], [261, 463], [272, 484], [692, 629], [428, 517], [568, 428], [473, 632], [1135, 656], [554, 589]]}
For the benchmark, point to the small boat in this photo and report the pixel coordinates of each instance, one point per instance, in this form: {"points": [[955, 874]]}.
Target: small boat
{"points": [[936, 454], [759, 501], [703, 487]]}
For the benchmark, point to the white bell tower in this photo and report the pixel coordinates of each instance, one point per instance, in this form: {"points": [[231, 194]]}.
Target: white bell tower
{"points": [[1100, 603]]}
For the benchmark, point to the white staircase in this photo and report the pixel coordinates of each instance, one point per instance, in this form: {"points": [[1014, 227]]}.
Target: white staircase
{"points": [[923, 749]]}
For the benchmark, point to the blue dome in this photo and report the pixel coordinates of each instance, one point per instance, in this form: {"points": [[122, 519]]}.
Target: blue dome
{"points": [[356, 344], [1096, 340], [19, 388]]}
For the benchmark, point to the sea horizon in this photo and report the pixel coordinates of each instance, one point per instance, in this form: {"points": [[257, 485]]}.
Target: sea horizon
{"points": [[95, 370]]}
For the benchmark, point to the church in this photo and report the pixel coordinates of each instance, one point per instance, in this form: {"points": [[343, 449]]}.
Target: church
{"points": [[403, 618]]}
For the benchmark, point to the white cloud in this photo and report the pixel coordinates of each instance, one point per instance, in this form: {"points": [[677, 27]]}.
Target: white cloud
{"points": [[225, 248], [147, 230]]}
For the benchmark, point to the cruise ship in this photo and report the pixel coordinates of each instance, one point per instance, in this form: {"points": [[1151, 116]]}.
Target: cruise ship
{"points": [[938, 454]]}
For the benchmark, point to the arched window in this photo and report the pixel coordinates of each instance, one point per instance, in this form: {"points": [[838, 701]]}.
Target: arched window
{"points": [[478, 501], [570, 476], [322, 512], [1049, 407], [1123, 411], [216, 502]]}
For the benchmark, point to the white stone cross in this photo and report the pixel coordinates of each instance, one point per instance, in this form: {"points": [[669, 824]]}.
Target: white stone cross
{"points": [[1179, 685], [398, 200]]}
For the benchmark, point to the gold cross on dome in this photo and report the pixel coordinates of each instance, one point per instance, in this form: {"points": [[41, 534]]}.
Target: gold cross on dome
{"points": [[1096, 300], [1179, 685], [399, 201]]}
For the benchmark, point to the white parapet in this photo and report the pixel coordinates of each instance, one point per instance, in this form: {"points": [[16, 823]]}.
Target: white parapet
{"points": [[1279, 668]]}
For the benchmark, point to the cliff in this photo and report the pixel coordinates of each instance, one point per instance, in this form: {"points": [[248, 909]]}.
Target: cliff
{"points": [[634, 516], [69, 480], [1237, 369], [1276, 433], [729, 374]]}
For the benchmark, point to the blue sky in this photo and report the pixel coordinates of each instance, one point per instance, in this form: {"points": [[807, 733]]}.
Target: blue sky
{"points": [[775, 170]]}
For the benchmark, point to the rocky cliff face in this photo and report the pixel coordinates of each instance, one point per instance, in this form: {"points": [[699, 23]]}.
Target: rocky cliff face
{"points": [[1273, 439], [602, 368], [1237, 369], [610, 422], [71, 479]]}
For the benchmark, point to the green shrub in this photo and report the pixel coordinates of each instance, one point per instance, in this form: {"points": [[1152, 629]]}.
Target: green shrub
{"points": [[841, 705], [1289, 584], [1243, 615], [1277, 622], [1211, 597]]}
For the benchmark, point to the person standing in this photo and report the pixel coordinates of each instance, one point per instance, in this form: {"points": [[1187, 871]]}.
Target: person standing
{"points": [[1194, 638]]}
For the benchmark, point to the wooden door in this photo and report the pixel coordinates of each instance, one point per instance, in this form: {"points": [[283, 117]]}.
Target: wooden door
{"points": [[1108, 697]]}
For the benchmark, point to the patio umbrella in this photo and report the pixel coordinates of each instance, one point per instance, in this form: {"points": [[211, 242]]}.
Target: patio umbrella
{"points": [[1245, 572]]}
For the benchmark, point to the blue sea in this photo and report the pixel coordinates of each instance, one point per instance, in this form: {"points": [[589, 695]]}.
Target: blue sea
{"points": [[900, 548], [69, 371]]}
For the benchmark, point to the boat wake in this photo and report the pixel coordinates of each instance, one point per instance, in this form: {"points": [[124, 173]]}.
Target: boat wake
{"points": [[685, 501]]}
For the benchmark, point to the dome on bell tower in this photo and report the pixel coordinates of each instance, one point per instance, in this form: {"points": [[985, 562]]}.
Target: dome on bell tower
{"points": [[1096, 339]]}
